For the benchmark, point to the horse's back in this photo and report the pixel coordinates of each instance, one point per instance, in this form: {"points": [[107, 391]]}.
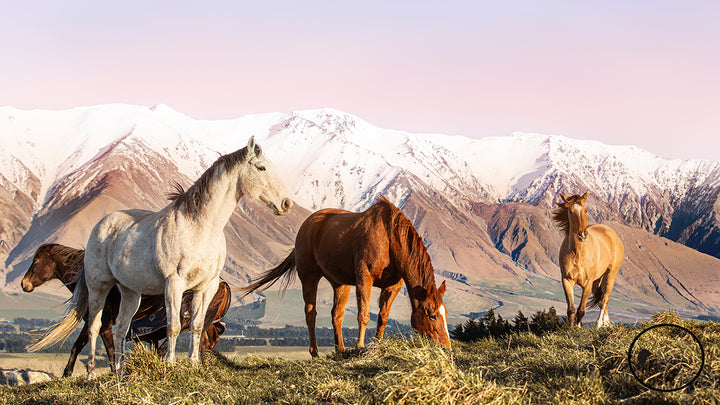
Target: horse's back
{"points": [[333, 240], [607, 237], [112, 224], [606, 233]]}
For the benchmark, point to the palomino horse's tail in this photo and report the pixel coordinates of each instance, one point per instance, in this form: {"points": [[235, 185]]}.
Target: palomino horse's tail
{"points": [[286, 269], [598, 291], [77, 308]]}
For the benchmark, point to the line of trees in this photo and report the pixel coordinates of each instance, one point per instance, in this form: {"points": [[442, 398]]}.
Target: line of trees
{"points": [[489, 325], [494, 326]]}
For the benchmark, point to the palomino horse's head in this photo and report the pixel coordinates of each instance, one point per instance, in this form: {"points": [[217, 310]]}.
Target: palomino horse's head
{"points": [[42, 269], [429, 318], [260, 181], [576, 214]]}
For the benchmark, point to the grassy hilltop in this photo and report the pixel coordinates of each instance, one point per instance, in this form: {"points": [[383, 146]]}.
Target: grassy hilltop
{"points": [[579, 365]]}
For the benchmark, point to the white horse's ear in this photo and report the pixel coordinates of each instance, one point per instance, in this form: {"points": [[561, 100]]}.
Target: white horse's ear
{"points": [[585, 196], [254, 147]]}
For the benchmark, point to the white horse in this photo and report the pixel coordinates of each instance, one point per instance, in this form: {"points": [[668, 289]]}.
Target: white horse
{"points": [[181, 247]]}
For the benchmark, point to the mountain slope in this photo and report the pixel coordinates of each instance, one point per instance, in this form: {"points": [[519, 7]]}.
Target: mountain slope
{"points": [[482, 206]]}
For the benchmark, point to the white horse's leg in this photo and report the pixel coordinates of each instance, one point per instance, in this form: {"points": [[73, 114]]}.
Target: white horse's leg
{"points": [[129, 303], [96, 302], [174, 288], [201, 301]]}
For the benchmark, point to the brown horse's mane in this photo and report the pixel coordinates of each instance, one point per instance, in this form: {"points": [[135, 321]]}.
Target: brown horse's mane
{"points": [[69, 258], [560, 214], [194, 198], [408, 237]]}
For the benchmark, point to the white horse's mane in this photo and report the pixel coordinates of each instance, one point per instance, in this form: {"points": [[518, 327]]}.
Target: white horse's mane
{"points": [[194, 198]]}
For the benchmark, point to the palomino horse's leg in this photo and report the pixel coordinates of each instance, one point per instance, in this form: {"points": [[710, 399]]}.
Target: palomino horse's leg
{"points": [[569, 298], [607, 286], [340, 300], [129, 304], [363, 289], [173, 300], [309, 289], [200, 303], [387, 296], [583, 302]]}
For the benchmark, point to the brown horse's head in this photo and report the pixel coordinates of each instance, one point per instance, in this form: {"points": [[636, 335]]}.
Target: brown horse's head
{"points": [[53, 261], [429, 316], [575, 215], [42, 269]]}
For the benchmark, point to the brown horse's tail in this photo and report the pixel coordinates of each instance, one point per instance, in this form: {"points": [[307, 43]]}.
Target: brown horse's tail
{"points": [[598, 291], [286, 269], [77, 308]]}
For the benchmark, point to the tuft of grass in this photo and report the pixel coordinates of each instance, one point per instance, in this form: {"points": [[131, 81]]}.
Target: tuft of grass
{"points": [[429, 375], [571, 366]]}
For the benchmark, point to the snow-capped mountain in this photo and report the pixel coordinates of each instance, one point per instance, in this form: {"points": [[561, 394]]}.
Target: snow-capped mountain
{"points": [[60, 171]]}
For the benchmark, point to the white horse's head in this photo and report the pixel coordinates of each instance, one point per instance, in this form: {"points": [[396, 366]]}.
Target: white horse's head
{"points": [[259, 180]]}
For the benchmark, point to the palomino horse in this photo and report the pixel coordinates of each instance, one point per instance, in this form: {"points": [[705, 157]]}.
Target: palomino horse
{"points": [[53, 261], [181, 247], [378, 247], [590, 256]]}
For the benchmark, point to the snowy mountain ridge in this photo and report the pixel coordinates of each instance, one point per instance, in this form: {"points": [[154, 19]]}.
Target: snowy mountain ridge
{"points": [[329, 158]]}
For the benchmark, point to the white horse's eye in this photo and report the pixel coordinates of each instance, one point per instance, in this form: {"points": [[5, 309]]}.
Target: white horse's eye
{"points": [[261, 168]]}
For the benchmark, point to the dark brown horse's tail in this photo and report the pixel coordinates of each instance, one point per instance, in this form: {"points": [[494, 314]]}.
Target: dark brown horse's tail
{"points": [[597, 292], [77, 308], [285, 269]]}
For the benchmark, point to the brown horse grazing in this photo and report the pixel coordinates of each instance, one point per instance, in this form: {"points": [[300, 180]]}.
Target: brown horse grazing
{"points": [[53, 261], [590, 256], [378, 247]]}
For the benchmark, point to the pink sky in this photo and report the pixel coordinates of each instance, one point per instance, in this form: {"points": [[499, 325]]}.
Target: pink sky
{"points": [[644, 73]]}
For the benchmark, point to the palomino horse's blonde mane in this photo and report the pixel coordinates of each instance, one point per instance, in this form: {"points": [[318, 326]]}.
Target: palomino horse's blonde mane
{"points": [[560, 214]]}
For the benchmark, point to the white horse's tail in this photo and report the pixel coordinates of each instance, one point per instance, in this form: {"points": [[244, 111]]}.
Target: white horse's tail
{"points": [[77, 308]]}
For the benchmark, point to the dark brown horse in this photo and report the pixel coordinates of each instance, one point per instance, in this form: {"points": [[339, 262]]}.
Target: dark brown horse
{"points": [[53, 261], [378, 247], [590, 256]]}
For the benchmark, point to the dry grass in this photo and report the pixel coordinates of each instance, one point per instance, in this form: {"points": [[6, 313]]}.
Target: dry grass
{"points": [[579, 366]]}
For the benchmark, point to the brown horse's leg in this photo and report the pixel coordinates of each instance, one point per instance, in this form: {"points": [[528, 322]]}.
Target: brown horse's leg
{"points": [[76, 349], [106, 334], [210, 339], [387, 296], [568, 289], [363, 289], [161, 349], [309, 288], [583, 302], [340, 300]]}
